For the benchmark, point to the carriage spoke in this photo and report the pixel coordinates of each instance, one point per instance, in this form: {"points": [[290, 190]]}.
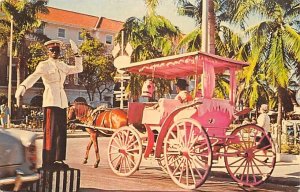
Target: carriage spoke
{"points": [[112, 160], [200, 162], [132, 161], [115, 147], [132, 138], [253, 173], [186, 135], [242, 137], [239, 166], [193, 141], [238, 160], [191, 133], [132, 144], [118, 164], [126, 138], [243, 172], [128, 163], [187, 171], [263, 163], [118, 140], [178, 166], [132, 150], [181, 171], [258, 169], [197, 169]]}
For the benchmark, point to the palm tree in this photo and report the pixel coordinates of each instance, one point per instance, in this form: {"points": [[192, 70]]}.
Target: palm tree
{"points": [[151, 37], [222, 40], [273, 49], [25, 21], [186, 8]]}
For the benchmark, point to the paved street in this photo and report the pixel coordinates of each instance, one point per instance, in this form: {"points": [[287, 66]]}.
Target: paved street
{"points": [[148, 178]]}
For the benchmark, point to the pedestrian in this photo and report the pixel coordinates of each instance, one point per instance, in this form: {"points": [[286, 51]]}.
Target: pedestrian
{"points": [[4, 111], [263, 121], [183, 95], [53, 72]]}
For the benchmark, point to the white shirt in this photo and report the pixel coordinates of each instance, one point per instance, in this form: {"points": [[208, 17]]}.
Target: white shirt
{"points": [[53, 73], [263, 121], [183, 96]]}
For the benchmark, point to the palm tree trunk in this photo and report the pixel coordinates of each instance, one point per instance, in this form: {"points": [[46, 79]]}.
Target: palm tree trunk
{"points": [[279, 117], [211, 27]]}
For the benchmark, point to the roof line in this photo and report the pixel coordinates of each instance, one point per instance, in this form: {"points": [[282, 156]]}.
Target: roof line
{"points": [[72, 11]]}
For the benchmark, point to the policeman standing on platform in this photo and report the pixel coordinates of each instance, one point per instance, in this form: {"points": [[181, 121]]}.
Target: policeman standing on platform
{"points": [[53, 73]]}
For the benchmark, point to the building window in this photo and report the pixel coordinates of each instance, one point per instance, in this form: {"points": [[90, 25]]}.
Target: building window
{"points": [[61, 33], [80, 38], [40, 30], [108, 39]]}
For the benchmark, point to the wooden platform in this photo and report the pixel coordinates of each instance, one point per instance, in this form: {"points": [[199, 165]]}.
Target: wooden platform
{"points": [[57, 180]]}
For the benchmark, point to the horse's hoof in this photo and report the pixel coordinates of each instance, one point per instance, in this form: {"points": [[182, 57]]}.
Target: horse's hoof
{"points": [[84, 161], [96, 164]]}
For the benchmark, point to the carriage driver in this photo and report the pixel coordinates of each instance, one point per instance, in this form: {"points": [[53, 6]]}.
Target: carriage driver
{"points": [[183, 95], [53, 73]]}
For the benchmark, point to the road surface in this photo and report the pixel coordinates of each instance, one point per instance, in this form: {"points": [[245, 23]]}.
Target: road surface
{"points": [[148, 178]]}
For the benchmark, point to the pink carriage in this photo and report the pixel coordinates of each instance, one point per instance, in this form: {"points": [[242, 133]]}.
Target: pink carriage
{"points": [[186, 138]]}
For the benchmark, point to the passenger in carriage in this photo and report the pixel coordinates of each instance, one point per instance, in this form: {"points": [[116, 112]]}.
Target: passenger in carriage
{"points": [[183, 95]]}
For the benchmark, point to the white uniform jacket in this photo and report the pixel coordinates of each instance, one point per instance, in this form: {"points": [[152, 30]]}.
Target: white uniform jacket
{"points": [[53, 73]]}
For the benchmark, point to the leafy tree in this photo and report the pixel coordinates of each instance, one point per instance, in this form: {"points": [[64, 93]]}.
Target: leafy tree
{"points": [[37, 53], [273, 49], [25, 21], [98, 69]]}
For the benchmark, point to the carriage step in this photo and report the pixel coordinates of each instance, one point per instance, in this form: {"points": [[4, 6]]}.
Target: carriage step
{"points": [[56, 180]]}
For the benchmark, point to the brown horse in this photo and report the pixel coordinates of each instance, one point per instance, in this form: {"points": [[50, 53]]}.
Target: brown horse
{"points": [[110, 119]]}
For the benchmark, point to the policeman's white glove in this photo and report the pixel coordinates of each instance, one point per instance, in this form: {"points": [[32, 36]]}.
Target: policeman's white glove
{"points": [[20, 91], [74, 48]]}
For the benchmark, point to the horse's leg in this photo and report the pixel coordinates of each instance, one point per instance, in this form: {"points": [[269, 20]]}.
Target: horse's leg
{"points": [[88, 147], [96, 147]]}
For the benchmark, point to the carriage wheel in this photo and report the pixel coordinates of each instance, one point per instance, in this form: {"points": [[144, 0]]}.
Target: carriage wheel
{"points": [[125, 151], [187, 153], [162, 164], [247, 161]]}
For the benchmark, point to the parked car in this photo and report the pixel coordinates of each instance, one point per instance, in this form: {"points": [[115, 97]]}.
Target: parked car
{"points": [[17, 159]]}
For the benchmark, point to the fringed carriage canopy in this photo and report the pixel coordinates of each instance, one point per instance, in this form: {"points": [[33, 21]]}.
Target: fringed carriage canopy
{"points": [[182, 65], [189, 64]]}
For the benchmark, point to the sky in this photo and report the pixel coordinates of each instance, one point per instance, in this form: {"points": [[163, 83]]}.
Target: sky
{"points": [[123, 9]]}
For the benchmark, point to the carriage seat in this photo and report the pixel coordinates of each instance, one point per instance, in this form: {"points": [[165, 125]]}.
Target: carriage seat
{"points": [[156, 115]]}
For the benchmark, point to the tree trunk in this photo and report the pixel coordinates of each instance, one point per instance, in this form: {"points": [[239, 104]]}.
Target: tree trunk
{"points": [[279, 117], [211, 27]]}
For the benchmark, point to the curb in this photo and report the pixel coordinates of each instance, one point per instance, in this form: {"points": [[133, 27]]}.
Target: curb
{"points": [[273, 180]]}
